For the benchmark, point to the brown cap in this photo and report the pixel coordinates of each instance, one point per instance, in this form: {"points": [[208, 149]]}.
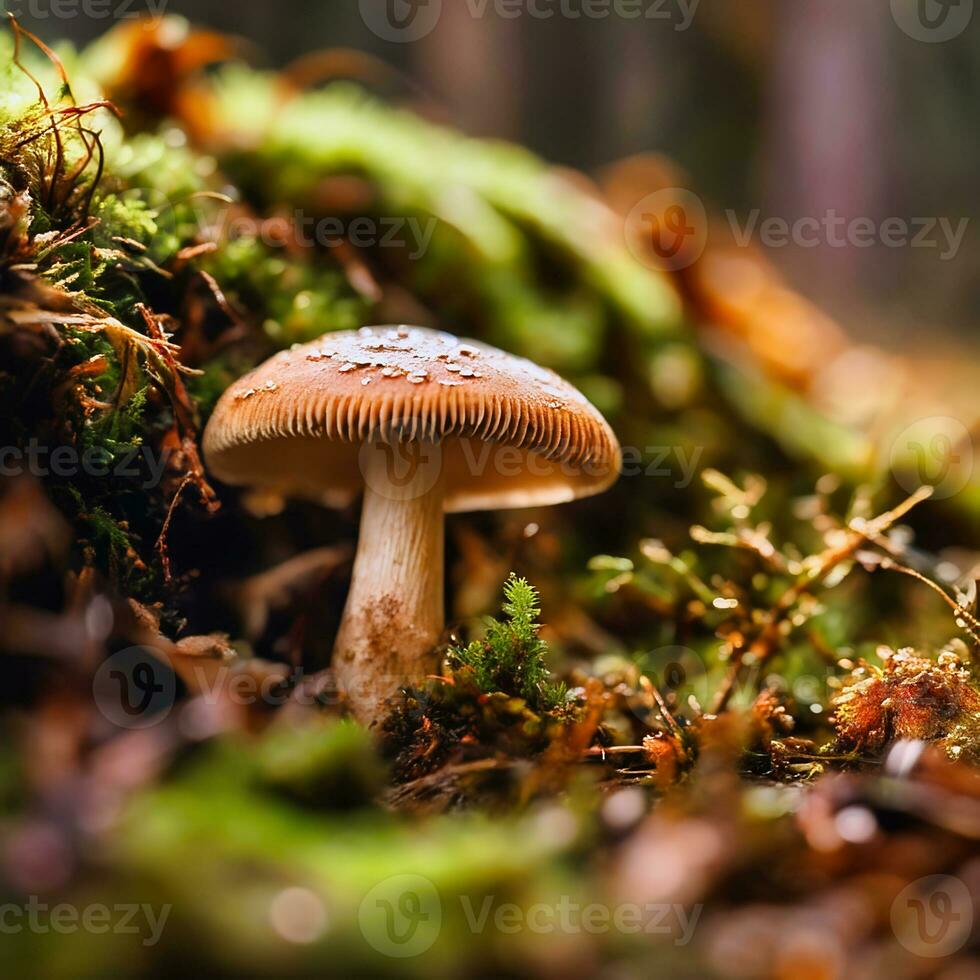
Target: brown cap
{"points": [[509, 433]]}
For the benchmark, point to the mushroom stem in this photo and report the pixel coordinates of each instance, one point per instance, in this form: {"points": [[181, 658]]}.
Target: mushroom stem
{"points": [[394, 613]]}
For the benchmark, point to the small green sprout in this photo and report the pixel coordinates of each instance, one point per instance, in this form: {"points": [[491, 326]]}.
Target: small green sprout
{"points": [[511, 657]]}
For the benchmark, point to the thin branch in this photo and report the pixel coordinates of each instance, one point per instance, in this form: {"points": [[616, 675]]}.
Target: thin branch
{"points": [[886, 563], [766, 643]]}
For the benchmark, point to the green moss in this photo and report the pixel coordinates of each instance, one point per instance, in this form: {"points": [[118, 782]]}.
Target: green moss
{"points": [[511, 657], [333, 765]]}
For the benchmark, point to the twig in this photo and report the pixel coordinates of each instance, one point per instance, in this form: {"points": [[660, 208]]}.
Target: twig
{"points": [[442, 779], [889, 564], [161, 545], [604, 750], [767, 642], [667, 715]]}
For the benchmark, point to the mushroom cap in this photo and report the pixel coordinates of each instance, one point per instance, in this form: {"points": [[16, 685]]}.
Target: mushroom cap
{"points": [[506, 432]]}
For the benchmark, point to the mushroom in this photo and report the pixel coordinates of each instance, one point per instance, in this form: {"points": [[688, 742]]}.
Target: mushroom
{"points": [[423, 424]]}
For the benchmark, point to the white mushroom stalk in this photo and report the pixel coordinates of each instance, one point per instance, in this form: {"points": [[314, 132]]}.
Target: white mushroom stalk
{"points": [[395, 609]]}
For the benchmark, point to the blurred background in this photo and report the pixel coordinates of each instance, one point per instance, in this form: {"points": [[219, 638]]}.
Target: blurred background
{"points": [[785, 109]]}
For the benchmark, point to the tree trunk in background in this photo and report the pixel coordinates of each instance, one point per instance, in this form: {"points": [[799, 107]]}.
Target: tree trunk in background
{"points": [[634, 86], [474, 66], [829, 130]]}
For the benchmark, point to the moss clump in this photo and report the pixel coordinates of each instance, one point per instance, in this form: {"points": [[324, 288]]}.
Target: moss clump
{"points": [[511, 657], [909, 697], [495, 698], [325, 763]]}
